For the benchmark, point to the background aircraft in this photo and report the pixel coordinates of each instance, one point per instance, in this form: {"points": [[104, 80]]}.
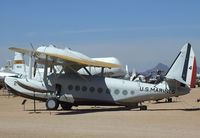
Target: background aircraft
{"points": [[13, 69]]}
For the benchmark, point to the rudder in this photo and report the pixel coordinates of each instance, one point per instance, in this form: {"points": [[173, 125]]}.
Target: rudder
{"points": [[184, 67], [18, 64]]}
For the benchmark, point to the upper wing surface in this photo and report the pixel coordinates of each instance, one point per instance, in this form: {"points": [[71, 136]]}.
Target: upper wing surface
{"points": [[65, 56]]}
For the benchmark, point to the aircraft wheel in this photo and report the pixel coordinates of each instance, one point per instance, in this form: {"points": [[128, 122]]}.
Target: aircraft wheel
{"points": [[52, 104], [128, 108], [143, 108], [169, 100], [66, 106]]}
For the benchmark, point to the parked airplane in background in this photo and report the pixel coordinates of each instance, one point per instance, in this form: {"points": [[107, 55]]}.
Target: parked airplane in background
{"points": [[198, 80], [69, 88], [14, 69], [119, 72], [18, 68]]}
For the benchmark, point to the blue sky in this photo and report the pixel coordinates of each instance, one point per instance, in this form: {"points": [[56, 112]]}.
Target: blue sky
{"points": [[140, 33]]}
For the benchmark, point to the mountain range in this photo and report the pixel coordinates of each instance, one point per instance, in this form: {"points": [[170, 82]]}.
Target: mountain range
{"points": [[160, 66]]}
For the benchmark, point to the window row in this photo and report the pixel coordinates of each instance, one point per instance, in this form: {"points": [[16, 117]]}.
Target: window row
{"points": [[99, 90]]}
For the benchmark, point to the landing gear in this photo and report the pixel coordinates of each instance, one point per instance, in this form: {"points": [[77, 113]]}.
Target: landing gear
{"points": [[169, 100], [58, 89], [66, 106], [143, 108], [52, 104]]}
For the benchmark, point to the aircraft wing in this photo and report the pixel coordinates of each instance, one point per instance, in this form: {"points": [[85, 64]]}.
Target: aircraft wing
{"points": [[81, 61], [74, 59], [21, 50]]}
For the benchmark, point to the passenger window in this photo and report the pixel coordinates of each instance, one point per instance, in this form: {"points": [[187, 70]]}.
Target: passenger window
{"points": [[99, 90], [92, 89], [132, 92], [84, 88], [77, 88], [70, 87], [108, 91], [117, 91], [125, 92]]}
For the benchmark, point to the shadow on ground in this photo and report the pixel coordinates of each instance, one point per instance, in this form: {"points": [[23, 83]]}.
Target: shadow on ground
{"points": [[186, 109], [80, 111], [92, 110], [103, 109]]}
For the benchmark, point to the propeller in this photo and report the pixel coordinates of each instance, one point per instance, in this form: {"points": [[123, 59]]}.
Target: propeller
{"points": [[35, 68], [51, 68], [32, 47], [133, 75], [127, 76]]}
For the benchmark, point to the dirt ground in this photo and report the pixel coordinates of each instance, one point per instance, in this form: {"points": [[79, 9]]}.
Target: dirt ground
{"points": [[171, 120]]}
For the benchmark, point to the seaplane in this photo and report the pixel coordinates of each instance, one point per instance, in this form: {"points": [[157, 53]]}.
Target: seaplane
{"points": [[69, 88]]}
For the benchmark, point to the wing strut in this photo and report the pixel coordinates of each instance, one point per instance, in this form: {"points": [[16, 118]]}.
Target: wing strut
{"points": [[30, 67], [77, 73], [45, 68], [102, 71], [87, 71]]}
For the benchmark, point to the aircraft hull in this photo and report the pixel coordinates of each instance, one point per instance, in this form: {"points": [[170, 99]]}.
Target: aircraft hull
{"points": [[107, 91]]}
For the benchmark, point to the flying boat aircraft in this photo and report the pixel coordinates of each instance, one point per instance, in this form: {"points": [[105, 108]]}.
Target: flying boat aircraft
{"points": [[69, 88]]}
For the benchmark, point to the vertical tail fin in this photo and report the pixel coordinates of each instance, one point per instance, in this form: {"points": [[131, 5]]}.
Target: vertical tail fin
{"points": [[184, 67], [19, 65]]}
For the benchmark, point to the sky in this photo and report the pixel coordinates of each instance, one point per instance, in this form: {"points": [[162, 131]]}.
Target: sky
{"points": [[140, 33]]}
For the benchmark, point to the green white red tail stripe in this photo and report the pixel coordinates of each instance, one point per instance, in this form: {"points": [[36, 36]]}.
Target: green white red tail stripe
{"points": [[184, 67]]}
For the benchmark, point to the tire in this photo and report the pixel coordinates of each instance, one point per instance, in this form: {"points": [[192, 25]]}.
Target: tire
{"points": [[66, 106], [169, 100], [52, 104], [143, 108]]}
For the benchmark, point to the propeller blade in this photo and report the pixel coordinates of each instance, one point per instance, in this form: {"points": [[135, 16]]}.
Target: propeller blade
{"points": [[35, 68]]}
